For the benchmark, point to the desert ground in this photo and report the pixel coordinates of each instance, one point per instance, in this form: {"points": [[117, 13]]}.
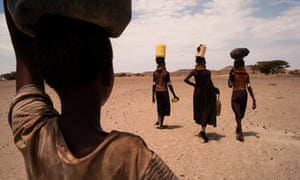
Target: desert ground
{"points": [[271, 149]]}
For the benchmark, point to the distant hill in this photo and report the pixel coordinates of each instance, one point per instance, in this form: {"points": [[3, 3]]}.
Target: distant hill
{"points": [[224, 70], [183, 72]]}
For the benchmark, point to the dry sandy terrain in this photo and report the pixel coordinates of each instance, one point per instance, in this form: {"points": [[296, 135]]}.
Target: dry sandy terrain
{"points": [[272, 132]]}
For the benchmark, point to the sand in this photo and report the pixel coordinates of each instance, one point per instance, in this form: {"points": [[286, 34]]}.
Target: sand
{"points": [[271, 149]]}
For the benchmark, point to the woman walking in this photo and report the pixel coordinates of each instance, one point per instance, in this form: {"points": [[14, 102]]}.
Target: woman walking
{"points": [[161, 82], [239, 81], [204, 100]]}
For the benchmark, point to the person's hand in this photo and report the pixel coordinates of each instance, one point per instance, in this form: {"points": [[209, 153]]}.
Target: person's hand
{"points": [[254, 104], [175, 99]]}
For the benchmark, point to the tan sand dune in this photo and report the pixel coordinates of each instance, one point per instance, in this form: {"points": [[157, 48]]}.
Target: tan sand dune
{"points": [[272, 132]]}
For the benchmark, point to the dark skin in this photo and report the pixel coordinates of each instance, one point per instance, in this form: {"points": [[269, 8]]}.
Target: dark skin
{"points": [[239, 121], [80, 117], [26, 70]]}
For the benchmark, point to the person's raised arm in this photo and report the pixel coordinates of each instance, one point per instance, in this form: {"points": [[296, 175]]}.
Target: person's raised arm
{"points": [[231, 78], [187, 79], [26, 69]]}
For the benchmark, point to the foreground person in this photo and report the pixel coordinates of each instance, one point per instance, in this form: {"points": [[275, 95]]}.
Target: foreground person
{"points": [[239, 81], [204, 99], [74, 58]]}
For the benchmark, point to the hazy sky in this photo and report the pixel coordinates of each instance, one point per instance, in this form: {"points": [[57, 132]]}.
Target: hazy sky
{"points": [[270, 29]]}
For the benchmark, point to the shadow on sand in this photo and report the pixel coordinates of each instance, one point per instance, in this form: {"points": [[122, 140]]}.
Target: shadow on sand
{"points": [[170, 127], [213, 136], [250, 133]]}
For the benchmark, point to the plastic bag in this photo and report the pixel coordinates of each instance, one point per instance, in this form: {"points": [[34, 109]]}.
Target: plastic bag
{"points": [[112, 15], [239, 53]]}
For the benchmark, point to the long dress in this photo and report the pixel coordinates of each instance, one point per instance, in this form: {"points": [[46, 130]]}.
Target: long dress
{"points": [[204, 100]]}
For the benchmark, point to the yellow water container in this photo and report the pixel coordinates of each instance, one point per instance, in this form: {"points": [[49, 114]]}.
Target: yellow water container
{"points": [[160, 50]]}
